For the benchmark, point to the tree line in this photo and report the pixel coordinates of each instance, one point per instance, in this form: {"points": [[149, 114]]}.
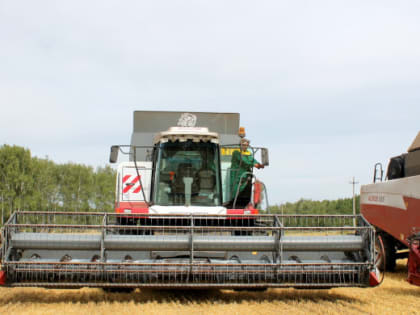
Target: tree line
{"points": [[31, 183], [307, 206]]}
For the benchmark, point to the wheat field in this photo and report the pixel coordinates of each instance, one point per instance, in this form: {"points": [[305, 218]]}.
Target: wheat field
{"points": [[394, 296]]}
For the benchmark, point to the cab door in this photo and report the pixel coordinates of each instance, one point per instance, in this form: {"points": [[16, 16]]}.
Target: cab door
{"points": [[132, 183]]}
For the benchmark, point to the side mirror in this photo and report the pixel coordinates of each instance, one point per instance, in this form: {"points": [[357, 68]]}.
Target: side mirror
{"points": [[264, 157], [113, 157]]}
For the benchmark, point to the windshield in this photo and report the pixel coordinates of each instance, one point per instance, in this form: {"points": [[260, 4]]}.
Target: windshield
{"points": [[187, 173]]}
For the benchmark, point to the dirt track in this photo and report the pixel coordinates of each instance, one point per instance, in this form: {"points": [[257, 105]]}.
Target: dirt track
{"points": [[394, 296]]}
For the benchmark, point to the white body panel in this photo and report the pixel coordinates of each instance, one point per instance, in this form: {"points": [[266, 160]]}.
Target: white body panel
{"points": [[391, 193], [187, 133], [128, 183], [187, 210]]}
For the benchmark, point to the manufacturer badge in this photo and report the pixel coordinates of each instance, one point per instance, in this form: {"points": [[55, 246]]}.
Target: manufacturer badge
{"points": [[187, 120]]}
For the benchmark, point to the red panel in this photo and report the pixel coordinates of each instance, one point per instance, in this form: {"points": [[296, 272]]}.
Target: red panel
{"points": [[395, 221], [414, 264], [135, 207], [373, 279], [241, 213], [257, 191], [2, 278], [235, 211]]}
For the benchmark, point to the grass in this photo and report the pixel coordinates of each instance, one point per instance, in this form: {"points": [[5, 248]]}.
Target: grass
{"points": [[394, 296]]}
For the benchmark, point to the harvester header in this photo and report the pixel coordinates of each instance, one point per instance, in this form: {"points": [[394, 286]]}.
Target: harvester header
{"points": [[72, 250]]}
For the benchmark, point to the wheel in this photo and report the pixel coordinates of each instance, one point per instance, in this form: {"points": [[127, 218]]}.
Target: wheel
{"points": [[379, 253], [126, 222], [120, 221], [390, 253], [128, 231], [244, 223], [380, 259], [242, 233]]}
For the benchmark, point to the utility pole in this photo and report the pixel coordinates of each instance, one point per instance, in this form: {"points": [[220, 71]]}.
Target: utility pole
{"points": [[2, 197], [353, 182], [2, 209]]}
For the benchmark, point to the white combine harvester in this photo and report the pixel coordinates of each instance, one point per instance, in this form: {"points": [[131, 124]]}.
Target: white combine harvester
{"points": [[188, 214]]}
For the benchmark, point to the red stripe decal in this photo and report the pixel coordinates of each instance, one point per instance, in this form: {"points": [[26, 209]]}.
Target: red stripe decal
{"points": [[126, 189], [137, 190], [131, 185], [136, 180], [125, 178]]}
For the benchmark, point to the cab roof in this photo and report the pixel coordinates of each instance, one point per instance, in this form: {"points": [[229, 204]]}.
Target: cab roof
{"points": [[182, 134]]}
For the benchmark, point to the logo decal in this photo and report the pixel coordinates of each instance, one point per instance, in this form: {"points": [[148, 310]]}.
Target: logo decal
{"points": [[383, 199], [187, 120], [229, 151], [376, 198]]}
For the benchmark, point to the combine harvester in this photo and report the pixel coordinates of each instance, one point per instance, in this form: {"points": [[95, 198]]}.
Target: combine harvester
{"points": [[393, 207], [187, 216]]}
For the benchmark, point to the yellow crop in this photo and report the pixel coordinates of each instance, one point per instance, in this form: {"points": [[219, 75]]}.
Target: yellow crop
{"points": [[394, 296]]}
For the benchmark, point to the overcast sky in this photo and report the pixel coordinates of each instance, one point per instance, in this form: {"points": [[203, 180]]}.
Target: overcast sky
{"points": [[330, 87]]}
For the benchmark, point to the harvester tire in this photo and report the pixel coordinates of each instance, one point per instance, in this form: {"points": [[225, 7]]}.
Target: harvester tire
{"points": [[242, 233], [390, 252], [246, 223], [123, 231], [131, 222]]}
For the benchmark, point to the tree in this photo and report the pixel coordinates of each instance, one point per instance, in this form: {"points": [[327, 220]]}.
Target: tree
{"points": [[16, 177], [76, 187], [31, 183], [45, 195], [104, 195]]}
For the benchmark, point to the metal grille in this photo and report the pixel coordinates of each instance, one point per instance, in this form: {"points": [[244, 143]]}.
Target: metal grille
{"points": [[52, 249]]}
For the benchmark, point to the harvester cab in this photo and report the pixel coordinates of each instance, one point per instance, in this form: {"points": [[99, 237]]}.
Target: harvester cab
{"points": [[188, 171], [188, 215]]}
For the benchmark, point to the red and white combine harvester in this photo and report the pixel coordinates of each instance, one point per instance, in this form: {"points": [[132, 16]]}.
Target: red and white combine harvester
{"points": [[187, 169], [393, 207], [189, 214]]}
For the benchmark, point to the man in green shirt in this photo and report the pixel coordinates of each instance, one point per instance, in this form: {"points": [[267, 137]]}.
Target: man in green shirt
{"points": [[242, 162]]}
